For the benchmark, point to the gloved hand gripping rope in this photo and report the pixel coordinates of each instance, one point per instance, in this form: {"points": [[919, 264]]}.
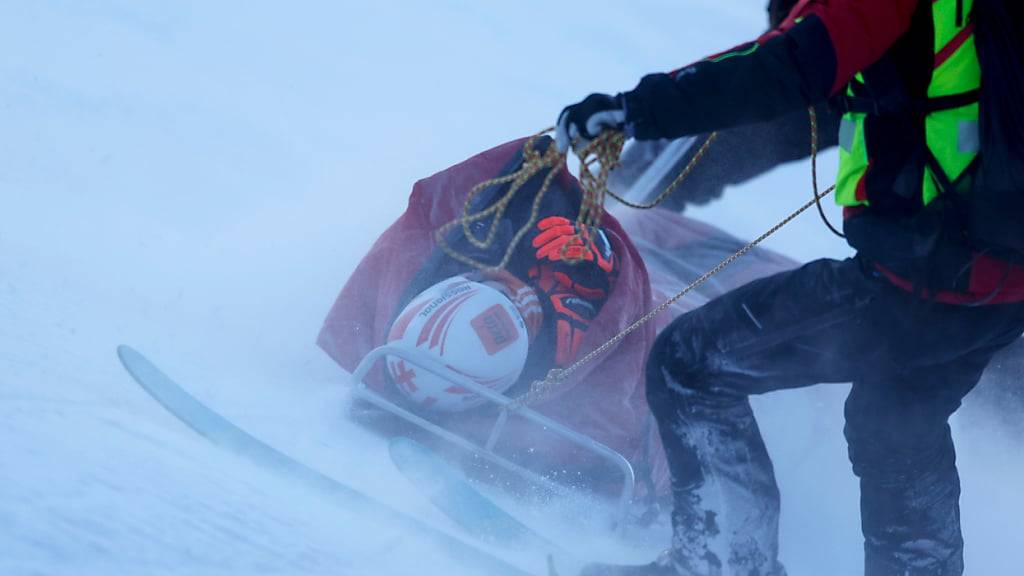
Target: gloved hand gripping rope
{"points": [[604, 150]]}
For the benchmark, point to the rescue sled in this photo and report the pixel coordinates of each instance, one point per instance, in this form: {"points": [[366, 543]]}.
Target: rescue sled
{"points": [[506, 408], [599, 436]]}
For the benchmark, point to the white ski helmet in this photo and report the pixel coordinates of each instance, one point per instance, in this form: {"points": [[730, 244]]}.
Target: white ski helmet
{"points": [[473, 329]]}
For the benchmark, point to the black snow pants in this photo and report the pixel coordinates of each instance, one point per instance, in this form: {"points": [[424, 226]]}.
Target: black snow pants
{"points": [[911, 361]]}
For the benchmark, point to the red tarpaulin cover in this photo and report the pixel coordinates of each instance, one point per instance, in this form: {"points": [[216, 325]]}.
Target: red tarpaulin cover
{"points": [[605, 398]]}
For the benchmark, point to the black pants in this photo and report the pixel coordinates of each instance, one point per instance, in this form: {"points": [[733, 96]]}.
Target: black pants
{"points": [[910, 361]]}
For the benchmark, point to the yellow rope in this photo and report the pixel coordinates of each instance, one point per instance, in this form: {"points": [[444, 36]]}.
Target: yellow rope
{"points": [[604, 151], [533, 163], [813, 114], [675, 183]]}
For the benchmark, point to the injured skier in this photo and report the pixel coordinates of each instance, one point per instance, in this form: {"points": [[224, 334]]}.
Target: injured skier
{"points": [[563, 296]]}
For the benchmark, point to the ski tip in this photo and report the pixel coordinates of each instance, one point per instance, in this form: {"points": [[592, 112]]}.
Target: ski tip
{"points": [[134, 362], [126, 354]]}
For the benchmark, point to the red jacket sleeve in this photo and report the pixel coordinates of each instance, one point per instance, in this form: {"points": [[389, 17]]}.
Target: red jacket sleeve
{"points": [[860, 31], [808, 58]]}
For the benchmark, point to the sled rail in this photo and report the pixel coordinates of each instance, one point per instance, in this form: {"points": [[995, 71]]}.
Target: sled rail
{"points": [[506, 409]]}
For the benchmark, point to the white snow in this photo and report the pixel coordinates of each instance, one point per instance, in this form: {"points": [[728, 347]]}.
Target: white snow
{"points": [[198, 178]]}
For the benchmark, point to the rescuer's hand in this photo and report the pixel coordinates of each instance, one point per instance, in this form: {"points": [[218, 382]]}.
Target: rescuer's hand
{"points": [[580, 123]]}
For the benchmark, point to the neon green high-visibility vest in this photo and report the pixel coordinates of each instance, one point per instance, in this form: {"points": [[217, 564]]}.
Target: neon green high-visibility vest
{"points": [[951, 130]]}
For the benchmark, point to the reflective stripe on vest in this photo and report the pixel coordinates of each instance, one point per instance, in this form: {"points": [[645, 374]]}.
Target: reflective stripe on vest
{"points": [[950, 134]]}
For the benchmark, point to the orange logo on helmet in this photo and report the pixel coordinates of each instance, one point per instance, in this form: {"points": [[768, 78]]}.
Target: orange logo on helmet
{"points": [[495, 328]]}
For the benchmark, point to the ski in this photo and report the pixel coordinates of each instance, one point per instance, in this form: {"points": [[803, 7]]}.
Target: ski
{"points": [[451, 492], [225, 435]]}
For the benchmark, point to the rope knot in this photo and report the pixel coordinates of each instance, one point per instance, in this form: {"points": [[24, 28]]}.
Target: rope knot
{"points": [[540, 389]]}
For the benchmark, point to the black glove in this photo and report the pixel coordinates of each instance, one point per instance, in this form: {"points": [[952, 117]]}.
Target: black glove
{"points": [[584, 121]]}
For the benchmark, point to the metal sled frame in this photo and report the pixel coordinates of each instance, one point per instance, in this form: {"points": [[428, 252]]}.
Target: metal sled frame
{"points": [[643, 189], [504, 403]]}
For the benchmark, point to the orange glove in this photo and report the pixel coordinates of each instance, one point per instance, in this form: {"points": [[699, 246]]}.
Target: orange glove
{"points": [[561, 240], [571, 312], [575, 271]]}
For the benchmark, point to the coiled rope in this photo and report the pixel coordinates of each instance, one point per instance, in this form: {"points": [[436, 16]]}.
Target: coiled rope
{"points": [[604, 152]]}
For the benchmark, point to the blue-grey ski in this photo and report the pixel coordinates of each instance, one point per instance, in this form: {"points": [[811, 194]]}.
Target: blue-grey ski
{"points": [[451, 492], [227, 436]]}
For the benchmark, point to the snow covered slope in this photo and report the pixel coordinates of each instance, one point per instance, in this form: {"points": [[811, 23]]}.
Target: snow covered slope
{"points": [[198, 178]]}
